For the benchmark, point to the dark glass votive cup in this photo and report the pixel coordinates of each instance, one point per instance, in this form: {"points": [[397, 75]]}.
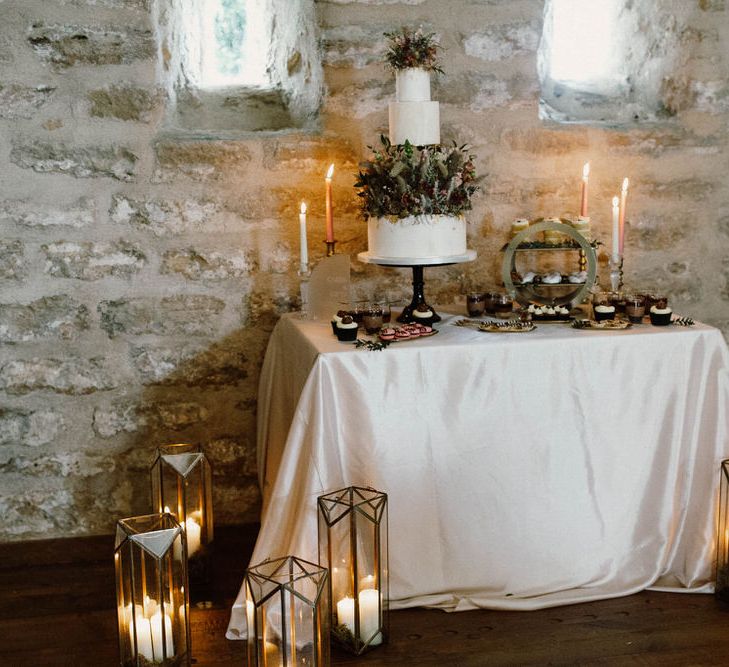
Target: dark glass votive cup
{"points": [[635, 308], [503, 306], [489, 299], [372, 320], [617, 299], [475, 304]]}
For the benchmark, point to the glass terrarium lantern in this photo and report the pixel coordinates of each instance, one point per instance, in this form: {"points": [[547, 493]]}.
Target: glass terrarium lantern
{"points": [[353, 544], [287, 611], [151, 591], [721, 590], [181, 484]]}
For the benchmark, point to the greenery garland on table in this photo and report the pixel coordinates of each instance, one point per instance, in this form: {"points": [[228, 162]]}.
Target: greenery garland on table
{"points": [[412, 49], [403, 180]]}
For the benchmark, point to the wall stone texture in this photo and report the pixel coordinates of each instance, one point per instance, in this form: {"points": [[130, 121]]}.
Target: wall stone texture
{"points": [[142, 270]]}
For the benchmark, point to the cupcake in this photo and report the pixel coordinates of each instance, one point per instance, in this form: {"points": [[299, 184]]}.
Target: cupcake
{"points": [[423, 314], [660, 317], [604, 312], [553, 236], [337, 319], [347, 329]]}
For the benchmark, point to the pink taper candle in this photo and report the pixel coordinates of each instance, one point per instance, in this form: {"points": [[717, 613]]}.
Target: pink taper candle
{"points": [[583, 201], [623, 197], [329, 206]]}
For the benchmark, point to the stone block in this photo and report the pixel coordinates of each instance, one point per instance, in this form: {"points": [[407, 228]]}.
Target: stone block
{"points": [[209, 265], [162, 217], [33, 510], [361, 100], [117, 417], [21, 101], [79, 161], [475, 90], [31, 428], [712, 5], [372, 2], [183, 314], [29, 213], [142, 5], [201, 160], [50, 317], [655, 232], [92, 261], [231, 456], [655, 142], [70, 375], [124, 102], [297, 154], [711, 96], [68, 45], [190, 366], [499, 42], [263, 309], [692, 189], [176, 416], [12, 259], [545, 142], [354, 45]]}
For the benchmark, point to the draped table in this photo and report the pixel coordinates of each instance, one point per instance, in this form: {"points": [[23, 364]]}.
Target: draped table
{"points": [[523, 470]]}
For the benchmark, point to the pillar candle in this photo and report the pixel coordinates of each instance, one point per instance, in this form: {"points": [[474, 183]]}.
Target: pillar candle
{"points": [[329, 205], [345, 613], [585, 177], [304, 248], [616, 229], [623, 197], [369, 615], [193, 532]]}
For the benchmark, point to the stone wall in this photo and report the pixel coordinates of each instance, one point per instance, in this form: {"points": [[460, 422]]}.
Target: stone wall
{"points": [[141, 273]]}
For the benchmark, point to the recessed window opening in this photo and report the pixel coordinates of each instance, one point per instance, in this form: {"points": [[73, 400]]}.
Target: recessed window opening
{"points": [[583, 50], [233, 44]]}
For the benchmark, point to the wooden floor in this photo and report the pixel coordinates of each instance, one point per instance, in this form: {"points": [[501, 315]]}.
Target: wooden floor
{"points": [[57, 607]]}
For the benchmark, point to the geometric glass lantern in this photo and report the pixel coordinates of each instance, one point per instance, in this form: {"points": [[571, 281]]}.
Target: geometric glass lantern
{"points": [[151, 591], [353, 545], [181, 485], [721, 589], [287, 609]]}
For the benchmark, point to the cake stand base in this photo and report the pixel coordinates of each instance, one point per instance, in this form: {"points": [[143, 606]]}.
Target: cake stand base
{"points": [[418, 280]]}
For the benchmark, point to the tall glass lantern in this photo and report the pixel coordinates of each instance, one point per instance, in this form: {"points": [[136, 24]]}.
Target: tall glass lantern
{"points": [[353, 544], [151, 592], [287, 609], [722, 538], [181, 485]]}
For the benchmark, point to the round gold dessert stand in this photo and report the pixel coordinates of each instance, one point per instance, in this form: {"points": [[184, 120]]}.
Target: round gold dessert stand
{"points": [[526, 293], [417, 265]]}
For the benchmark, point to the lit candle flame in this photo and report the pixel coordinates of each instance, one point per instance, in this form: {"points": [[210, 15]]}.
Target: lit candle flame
{"points": [[586, 170], [625, 184], [303, 207], [331, 170]]}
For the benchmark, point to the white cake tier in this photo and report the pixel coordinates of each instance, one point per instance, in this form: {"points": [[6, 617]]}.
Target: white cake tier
{"points": [[416, 237], [412, 85], [416, 122]]}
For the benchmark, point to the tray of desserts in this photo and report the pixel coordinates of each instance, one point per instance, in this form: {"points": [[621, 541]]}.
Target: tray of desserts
{"points": [[508, 326], [548, 313], [602, 325], [406, 332]]}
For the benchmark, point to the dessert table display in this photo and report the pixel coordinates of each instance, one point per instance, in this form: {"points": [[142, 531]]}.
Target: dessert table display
{"points": [[555, 466]]}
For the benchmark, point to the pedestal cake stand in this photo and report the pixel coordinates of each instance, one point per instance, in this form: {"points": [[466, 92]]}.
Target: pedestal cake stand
{"points": [[417, 265]]}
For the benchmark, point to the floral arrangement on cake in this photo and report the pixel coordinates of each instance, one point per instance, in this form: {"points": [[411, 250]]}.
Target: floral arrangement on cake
{"points": [[403, 180], [412, 49]]}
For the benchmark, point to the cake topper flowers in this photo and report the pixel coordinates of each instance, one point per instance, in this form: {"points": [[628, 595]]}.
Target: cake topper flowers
{"points": [[409, 48], [403, 180]]}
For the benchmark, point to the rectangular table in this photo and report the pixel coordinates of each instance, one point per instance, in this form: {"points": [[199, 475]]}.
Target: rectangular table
{"points": [[523, 470]]}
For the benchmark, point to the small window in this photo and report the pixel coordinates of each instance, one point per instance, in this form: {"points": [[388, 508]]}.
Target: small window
{"points": [[611, 62], [227, 70]]}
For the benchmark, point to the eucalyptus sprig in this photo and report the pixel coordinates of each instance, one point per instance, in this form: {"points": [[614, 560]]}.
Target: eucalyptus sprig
{"points": [[401, 180], [409, 48], [371, 345]]}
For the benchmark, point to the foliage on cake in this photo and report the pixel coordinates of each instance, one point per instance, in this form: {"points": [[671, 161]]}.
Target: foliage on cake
{"points": [[412, 49], [404, 180]]}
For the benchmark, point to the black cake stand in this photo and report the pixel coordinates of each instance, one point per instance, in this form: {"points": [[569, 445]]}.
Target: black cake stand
{"points": [[417, 265]]}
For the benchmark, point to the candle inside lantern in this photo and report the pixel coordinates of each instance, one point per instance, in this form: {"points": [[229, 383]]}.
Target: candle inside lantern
{"points": [[193, 532], [623, 197], [583, 200], [329, 205], [148, 624], [304, 248], [369, 614], [616, 229]]}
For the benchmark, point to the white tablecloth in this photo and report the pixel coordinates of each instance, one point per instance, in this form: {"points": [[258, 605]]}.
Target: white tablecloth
{"points": [[523, 470]]}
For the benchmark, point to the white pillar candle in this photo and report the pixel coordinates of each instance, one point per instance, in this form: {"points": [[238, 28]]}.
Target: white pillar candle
{"points": [[369, 615], [345, 613], [304, 248], [157, 642], [616, 232], [193, 532]]}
